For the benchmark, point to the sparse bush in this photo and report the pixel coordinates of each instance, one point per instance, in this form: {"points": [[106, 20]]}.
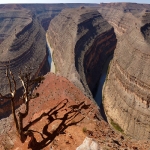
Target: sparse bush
{"points": [[84, 129], [116, 126], [73, 121]]}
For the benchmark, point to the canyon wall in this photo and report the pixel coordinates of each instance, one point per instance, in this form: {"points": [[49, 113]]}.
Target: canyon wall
{"points": [[23, 42], [46, 12], [126, 96], [23, 45], [82, 41]]}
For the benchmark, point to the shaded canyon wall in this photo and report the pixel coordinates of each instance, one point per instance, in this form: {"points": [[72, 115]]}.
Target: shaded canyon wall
{"points": [[82, 41], [23, 46]]}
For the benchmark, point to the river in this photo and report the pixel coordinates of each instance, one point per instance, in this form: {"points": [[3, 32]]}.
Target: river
{"points": [[50, 58], [99, 95]]}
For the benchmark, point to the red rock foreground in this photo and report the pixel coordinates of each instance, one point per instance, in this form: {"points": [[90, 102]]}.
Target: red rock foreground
{"points": [[61, 118]]}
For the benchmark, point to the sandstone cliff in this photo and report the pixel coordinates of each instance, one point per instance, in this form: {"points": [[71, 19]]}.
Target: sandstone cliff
{"points": [[62, 108], [126, 93], [46, 12], [82, 41], [23, 42], [23, 45]]}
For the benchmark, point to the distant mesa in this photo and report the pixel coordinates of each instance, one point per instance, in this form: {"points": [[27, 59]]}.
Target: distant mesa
{"points": [[82, 7], [12, 7]]}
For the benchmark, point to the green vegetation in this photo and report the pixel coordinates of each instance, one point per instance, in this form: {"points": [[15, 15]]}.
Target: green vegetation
{"points": [[116, 126], [108, 69], [84, 129]]}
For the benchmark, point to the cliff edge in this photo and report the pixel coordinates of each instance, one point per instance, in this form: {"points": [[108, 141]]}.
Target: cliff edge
{"points": [[62, 117]]}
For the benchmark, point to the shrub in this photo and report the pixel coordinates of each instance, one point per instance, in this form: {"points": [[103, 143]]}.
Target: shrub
{"points": [[84, 130], [116, 126]]}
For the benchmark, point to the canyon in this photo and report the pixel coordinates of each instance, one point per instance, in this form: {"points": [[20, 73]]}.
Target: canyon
{"points": [[23, 47], [82, 42], [78, 45], [58, 94], [23, 43], [126, 92]]}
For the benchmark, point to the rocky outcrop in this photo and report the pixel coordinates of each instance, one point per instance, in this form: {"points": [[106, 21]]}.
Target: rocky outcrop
{"points": [[126, 93], [62, 117], [82, 41], [23, 46]]}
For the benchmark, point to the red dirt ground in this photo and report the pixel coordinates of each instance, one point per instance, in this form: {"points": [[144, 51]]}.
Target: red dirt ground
{"points": [[67, 117]]}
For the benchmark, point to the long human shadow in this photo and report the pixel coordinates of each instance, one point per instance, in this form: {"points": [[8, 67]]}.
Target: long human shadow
{"points": [[66, 121]]}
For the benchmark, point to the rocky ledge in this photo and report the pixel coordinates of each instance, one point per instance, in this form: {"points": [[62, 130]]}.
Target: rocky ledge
{"points": [[126, 96], [82, 41], [62, 117]]}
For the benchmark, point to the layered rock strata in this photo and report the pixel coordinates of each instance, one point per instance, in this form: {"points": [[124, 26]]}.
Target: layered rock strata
{"points": [[82, 41], [46, 12], [127, 89], [23, 46], [23, 42]]}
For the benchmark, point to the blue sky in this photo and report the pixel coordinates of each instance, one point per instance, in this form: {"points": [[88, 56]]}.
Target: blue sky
{"points": [[72, 1]]}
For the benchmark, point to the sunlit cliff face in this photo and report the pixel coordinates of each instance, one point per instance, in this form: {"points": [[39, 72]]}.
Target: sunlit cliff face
{"points": [[82, 42], [23, 47], [126, 92]]}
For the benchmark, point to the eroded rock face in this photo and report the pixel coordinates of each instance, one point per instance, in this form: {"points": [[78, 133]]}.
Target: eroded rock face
{"points": [[46, 12], [23, 41], [126, 93], [82, 41], [23, 45]]}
